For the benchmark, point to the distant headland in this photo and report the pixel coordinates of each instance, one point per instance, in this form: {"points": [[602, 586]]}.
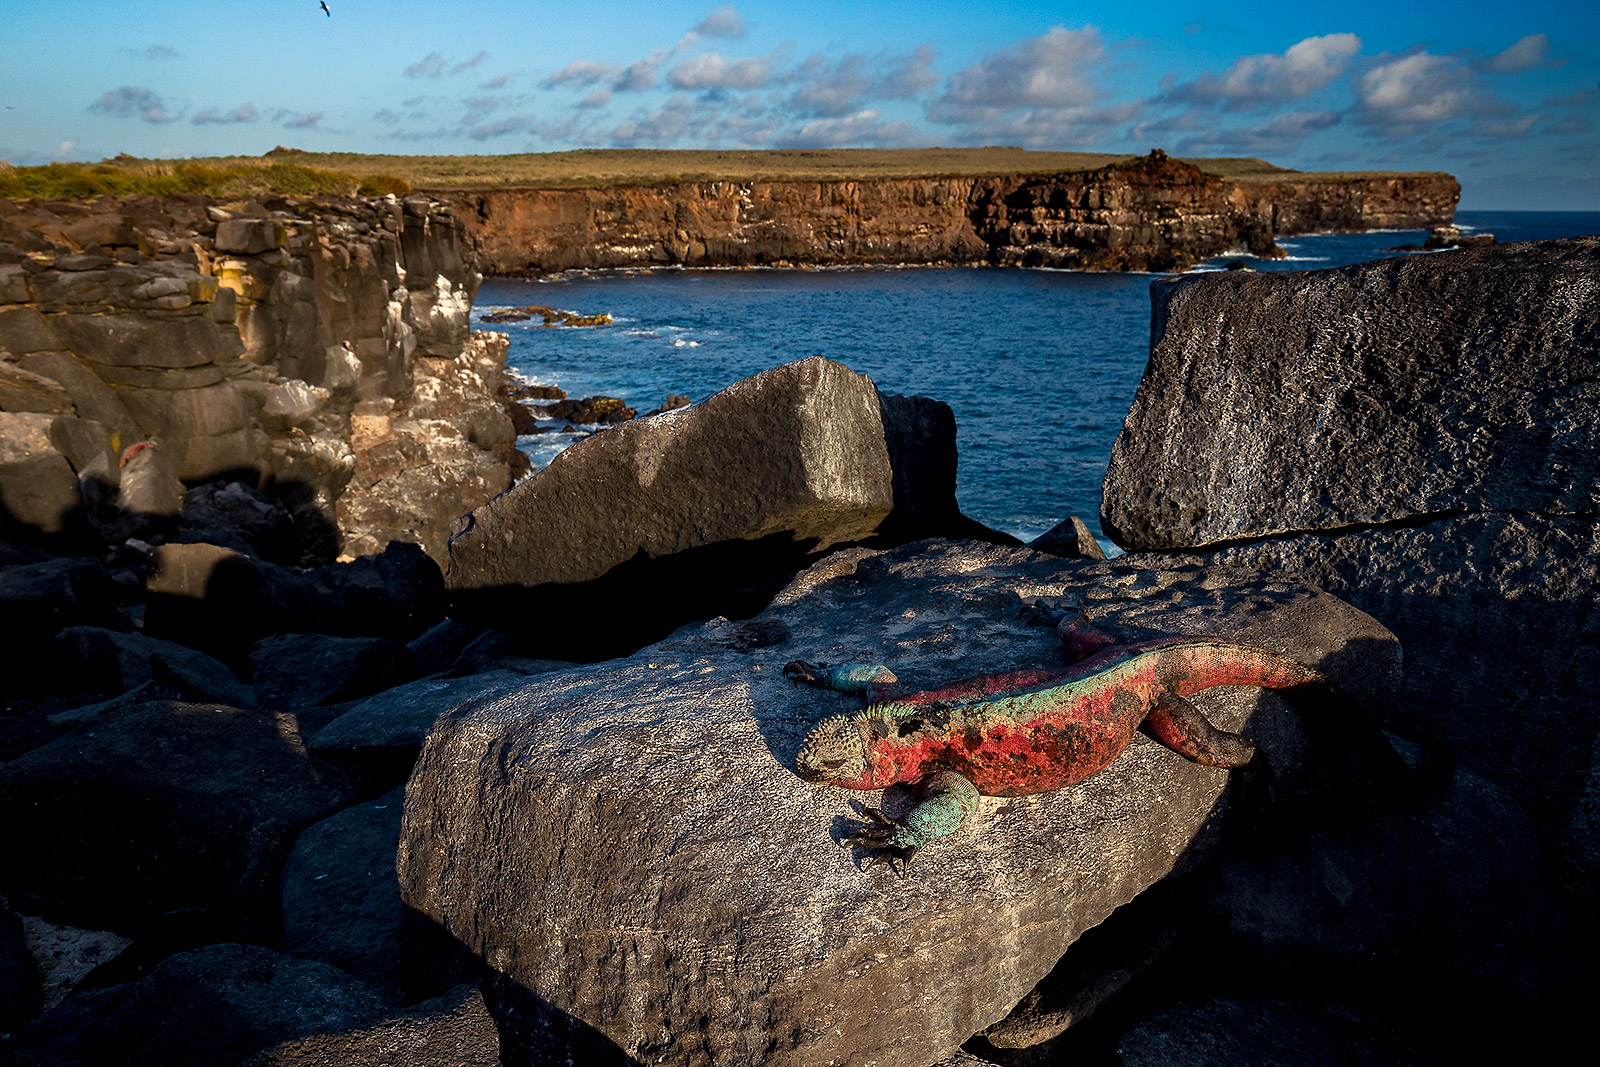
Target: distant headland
{"points": [[632, 208]]}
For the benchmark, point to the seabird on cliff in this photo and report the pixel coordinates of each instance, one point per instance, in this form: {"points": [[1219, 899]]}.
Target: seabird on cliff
{"points": [[325, 10]]}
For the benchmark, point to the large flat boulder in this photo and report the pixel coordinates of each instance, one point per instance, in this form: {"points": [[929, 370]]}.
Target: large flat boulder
{"points": [[1420, 436], [703, 510], [627, 851]]}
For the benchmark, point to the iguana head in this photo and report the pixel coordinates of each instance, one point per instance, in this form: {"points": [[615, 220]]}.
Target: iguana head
{"points": [[833, 751]]}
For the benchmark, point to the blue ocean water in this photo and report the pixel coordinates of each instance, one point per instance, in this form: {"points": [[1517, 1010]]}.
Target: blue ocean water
{"points": [[1039, 366]]}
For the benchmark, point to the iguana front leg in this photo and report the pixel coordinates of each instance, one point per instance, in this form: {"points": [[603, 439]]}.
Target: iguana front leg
{"points": [[872, 681], [948, 802]]}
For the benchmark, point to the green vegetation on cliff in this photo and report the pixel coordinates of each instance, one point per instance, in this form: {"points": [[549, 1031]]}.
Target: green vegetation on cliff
{"points": [[292, 172], [124, 176]]}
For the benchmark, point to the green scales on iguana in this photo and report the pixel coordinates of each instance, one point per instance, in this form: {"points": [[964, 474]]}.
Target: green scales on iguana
{"points": [[1027, 731]]}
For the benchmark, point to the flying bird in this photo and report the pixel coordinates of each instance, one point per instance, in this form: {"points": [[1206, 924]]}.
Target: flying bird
{"points": [[325, 10]]}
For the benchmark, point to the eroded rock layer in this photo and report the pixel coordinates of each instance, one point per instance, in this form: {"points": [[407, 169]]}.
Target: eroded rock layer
{"points": [[319, 350], [1154, 213]]}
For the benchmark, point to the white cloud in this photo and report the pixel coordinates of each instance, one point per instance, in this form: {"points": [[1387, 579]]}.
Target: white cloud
{"points": [[307, 121], [1530, 53], [861, 129], [639, 75], [833, 89], [1047, 71], [1281, 133], [598, 98], [582, 72], [468, 64], [713, 71], [129, 102], [1273, 79], [1409, 93], [660, 129], [725, 22], [154, 52], [213, 117], [431, 65]]}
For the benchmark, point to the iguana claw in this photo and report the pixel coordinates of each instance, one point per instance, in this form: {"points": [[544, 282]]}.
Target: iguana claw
{"points": [[877, 840], [800, 671]]}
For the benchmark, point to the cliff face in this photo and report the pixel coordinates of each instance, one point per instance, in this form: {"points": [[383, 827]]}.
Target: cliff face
{"points": [[318, 351], [1151, 213]]}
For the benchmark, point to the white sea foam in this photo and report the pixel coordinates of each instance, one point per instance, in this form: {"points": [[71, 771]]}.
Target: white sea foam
{"points": [[681, 343]]}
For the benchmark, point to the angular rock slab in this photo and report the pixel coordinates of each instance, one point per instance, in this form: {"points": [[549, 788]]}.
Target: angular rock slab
{"points": [[1378, 393], [797, 450], [627, 849]]}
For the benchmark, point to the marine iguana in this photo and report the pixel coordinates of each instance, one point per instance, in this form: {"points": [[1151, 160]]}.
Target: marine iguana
{"points": [[1028, 731]]}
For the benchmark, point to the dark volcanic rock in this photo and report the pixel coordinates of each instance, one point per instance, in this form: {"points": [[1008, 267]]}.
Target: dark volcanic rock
{"points": [[207, 1008], [93, 660], [400, 717], [453, 1030], [627, 849], [1422, 437], [771, 469], [294, 671], [19, 977], [397, 593], [1497, 615], [249, 521], [1071, 538], [1447, 884], [1271, 1033], [155, 807], [38, 599], [341, 902], [606, 410], [216, 598]]}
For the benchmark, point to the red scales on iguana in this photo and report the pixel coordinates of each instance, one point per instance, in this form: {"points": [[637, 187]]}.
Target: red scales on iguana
{"points": [[1027, 731]]}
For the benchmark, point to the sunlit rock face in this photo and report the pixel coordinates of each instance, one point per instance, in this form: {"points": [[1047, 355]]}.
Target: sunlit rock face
{"points": [[275, 342]]}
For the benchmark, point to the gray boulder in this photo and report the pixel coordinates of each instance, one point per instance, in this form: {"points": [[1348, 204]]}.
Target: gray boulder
{"points": [[453, 1030], [704, 510], [341, 903], [1420, 436], [156, 807], [627, 851], [399, 718], [293, 672], [206, 1008], [39, 494], [1391, 392]]}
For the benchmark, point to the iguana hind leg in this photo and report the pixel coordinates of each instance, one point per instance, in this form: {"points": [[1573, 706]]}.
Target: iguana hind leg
{"points": [[949, 801], [1179, 725]]}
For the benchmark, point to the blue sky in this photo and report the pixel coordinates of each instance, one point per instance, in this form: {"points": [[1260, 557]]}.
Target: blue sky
{"points": [[1505, 96]]}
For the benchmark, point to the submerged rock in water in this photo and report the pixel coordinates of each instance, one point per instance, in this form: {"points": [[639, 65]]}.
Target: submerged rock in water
{"points": [[627, 851]]}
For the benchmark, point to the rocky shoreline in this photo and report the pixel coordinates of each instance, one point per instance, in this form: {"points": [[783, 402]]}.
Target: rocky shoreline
{"points": [[323, 744], [1154, 213]]}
